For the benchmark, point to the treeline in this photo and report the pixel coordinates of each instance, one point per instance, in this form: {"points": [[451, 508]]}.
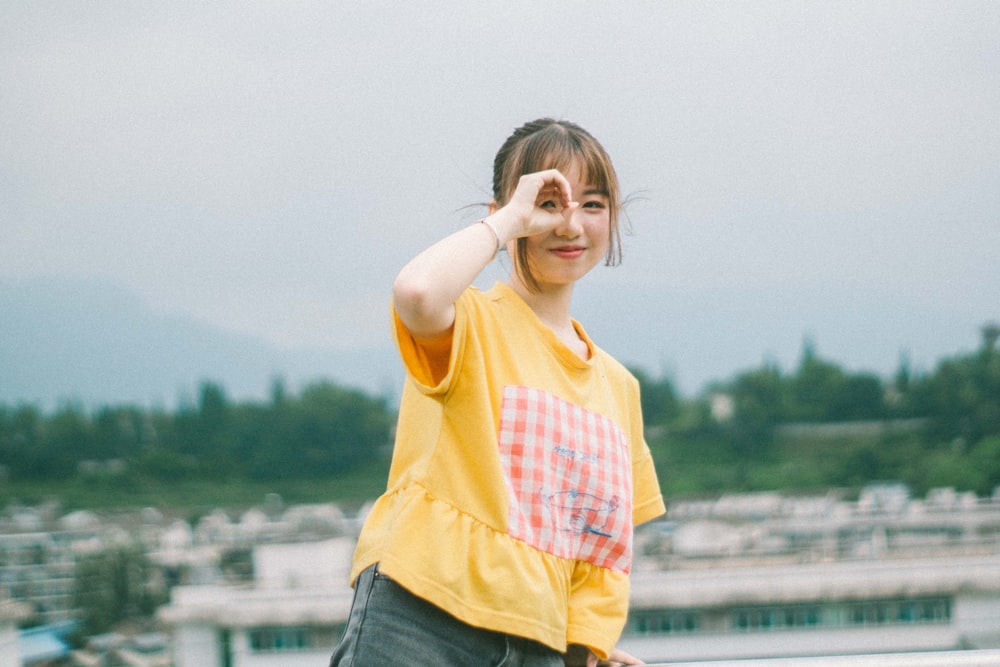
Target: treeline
{"points": [[939, 428], [324, 431], [727, 439]]}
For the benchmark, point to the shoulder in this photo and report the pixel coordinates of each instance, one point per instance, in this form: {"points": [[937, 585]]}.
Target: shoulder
{"points": [[498, 301], [474, 304], [603, 360], [614, 367]]}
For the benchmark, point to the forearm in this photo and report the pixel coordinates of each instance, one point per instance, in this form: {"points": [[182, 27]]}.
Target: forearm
{"points": [[425, 291]]}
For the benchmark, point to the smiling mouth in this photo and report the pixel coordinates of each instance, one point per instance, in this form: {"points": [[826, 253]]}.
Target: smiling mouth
{"points": [[568, 251]]}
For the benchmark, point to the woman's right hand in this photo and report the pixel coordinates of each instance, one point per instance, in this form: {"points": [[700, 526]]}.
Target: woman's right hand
{"points": [[541, 201]]}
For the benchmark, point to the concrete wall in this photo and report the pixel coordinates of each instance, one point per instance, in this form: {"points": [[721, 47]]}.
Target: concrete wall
{"points": [[197, 644], [10, 650]]}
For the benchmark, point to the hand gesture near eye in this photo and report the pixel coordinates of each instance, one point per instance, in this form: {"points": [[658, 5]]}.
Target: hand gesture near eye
{"points": [[426, 288], [541, 201]]}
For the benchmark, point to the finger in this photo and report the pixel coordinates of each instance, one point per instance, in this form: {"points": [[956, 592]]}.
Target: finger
{"points": [[559, 185], [569, 210], [551, 192], [565, 190], [621, 657]]}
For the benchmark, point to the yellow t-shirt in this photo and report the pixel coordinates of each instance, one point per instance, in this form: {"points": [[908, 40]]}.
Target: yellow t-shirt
{"points": [[516, 479]]}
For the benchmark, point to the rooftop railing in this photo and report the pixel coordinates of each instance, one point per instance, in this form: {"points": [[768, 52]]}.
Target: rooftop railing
{"points": [[982, 658]]}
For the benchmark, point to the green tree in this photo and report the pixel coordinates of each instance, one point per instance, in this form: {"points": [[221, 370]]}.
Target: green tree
{"points": [[962, 396], [115, 585], [759, 405], [21, 430], [985, 457], [815, 387], [658, 398], [326, 431], [118, 432], [60, 442], [859, 396]]}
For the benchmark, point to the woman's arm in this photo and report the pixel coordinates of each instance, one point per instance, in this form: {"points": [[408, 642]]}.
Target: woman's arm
{"points": [[425, 291]]}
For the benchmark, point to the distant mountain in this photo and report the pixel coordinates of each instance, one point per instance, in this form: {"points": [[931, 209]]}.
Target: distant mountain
{"points": [[703, 336], [100, 344]]}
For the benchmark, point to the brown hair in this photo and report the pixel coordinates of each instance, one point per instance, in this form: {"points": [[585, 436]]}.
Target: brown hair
{"points": [[555, 144]]}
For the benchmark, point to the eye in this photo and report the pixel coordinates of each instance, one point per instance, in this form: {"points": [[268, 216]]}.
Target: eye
{"points": [[594, 203], [548, 204]]}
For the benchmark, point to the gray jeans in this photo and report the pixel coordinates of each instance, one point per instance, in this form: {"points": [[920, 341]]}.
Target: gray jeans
{"points": [[391, 627]]}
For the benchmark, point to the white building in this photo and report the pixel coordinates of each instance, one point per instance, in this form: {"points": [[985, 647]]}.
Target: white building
{"points": [[710, 613], [11, 613], [756, 576], [291, 615], [775, 609]]}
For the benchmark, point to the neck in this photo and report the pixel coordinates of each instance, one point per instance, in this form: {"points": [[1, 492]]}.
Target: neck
{"points": [[551, 304]]}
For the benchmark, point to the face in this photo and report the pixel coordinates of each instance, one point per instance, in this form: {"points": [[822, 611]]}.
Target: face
{"points": [[566, 253]]}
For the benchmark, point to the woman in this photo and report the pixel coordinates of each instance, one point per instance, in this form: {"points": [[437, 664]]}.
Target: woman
{"points": [[505, 534]]}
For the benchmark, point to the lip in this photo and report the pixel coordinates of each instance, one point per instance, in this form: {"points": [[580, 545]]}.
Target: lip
{"points": [[568, 251]]}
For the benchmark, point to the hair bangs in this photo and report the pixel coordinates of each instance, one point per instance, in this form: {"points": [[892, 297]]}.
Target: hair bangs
{"points": [[550, 144], [556, 147]]}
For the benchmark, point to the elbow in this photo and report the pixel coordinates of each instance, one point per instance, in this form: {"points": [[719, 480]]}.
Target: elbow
{"points": [[410, 295], [415, 304]]}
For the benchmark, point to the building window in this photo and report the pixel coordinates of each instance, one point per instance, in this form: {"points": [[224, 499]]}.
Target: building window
{"points": [[763, 618], [918, 610], [863, 612], [275, 639], [268, 640], [768, 617], [226, 648], [662, 621]]}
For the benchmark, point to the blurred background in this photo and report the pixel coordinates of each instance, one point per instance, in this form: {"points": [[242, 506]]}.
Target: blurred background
{"points": [[203, 206]]}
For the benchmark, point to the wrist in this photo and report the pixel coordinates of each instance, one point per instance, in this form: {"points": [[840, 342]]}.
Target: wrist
{"points": [[493, 231], [504, 227]]}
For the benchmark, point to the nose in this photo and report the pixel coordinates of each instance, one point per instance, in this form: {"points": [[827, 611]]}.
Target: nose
{"points": [[571, 227]]}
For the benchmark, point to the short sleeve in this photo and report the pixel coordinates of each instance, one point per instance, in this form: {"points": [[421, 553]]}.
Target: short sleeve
{"points": [[431, 363], [648, 500]]}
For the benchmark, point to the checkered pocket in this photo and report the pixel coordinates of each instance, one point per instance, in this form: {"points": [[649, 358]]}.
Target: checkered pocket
{"points": [[568, 478]]}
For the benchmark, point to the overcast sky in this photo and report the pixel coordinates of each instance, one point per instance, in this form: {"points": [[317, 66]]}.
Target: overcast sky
{"points": [[268, 167]]}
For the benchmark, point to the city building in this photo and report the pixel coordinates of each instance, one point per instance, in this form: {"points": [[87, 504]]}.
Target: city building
{"points": [[11, 614], [795, 609], [747, 576], [292, 613]]}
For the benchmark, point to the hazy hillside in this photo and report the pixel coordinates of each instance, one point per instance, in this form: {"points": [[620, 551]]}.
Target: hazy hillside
{"points": [[709, 335], [99, 343]]}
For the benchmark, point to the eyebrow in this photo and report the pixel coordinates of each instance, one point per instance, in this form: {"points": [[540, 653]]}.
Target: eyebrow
{"points": [[595, 191]]}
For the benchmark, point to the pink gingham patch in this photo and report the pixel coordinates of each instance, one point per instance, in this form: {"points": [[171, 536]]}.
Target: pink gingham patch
{"points": [[568, 477]]}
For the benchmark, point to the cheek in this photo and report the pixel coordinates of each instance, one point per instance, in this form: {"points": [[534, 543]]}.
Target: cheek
{"points": [[599, 231]]}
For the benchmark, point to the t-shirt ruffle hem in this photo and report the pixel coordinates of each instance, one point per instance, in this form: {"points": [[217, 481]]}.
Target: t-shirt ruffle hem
{"points": [[485, 577]]}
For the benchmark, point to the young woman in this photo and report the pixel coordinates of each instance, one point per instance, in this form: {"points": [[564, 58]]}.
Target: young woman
{"points": [[505, 534]]}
